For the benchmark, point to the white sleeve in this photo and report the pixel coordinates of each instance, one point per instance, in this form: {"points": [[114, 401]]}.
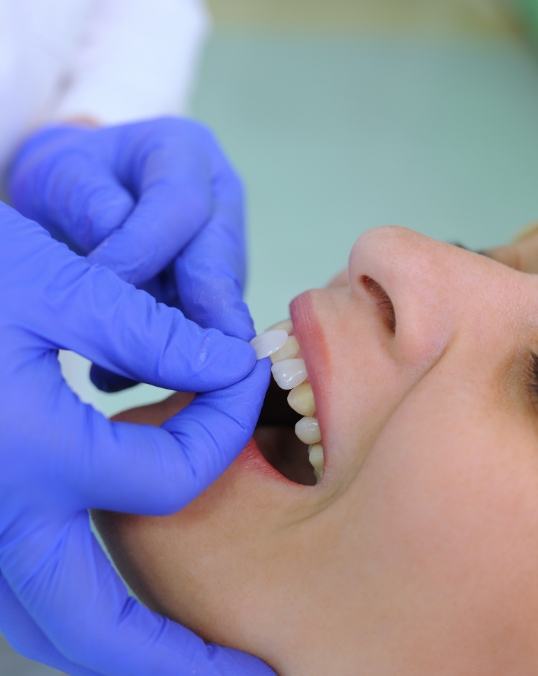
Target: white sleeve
{"points": [[135, 59]]}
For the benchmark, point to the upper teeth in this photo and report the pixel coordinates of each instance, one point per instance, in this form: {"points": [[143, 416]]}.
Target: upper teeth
{"points": [[289, 349], [315, 455], [286, 325], [307, 429], [301, 399], [289, 372]]}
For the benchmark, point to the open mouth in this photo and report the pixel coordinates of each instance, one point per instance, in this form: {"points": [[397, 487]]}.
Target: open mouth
{"points": [[277, 441], [288, 433]]}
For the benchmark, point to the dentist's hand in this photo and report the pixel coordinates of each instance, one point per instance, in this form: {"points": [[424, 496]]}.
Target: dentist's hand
{"points": [[60, 600], [157, 202]]}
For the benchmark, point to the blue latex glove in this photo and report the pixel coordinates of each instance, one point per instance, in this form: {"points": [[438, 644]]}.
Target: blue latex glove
{"points": [[60, 600], [155, 201]]}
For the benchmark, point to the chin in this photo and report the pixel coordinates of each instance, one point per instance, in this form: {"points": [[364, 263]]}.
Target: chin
{"points": [[206, 566]]}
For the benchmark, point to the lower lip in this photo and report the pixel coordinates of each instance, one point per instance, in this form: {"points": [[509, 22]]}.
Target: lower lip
{"points": [[252, 459]]}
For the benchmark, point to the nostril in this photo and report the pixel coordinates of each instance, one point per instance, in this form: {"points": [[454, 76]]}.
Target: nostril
{"points": [[382, 299]]}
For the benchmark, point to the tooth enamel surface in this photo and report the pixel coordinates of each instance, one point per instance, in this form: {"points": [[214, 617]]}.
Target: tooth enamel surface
{"points": [[285, 325], [269, 342], [316, 458], [307, 429], [289, 373], [289, 350], [301, 399]]}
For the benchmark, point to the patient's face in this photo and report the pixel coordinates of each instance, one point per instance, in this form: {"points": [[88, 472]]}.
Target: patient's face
{"points": [[417, 553]]}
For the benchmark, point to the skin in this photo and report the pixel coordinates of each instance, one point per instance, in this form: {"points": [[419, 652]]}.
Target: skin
{"points": [[417, 553]]}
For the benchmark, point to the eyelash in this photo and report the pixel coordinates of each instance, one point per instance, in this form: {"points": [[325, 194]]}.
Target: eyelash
{"points": [[532, 372]]}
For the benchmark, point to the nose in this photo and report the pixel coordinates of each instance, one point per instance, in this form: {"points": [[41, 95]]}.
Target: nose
{"points": [[418, 276]]}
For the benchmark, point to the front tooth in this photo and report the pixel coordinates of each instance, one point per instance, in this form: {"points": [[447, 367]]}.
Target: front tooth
{"points": [[307, 429], [269, 342], [289, 373], [316, 458], [301, 399], [289, 350], [285, 325]]}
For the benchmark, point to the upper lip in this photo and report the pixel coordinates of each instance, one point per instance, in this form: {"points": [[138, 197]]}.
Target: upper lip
{"points": [[308, 330]]}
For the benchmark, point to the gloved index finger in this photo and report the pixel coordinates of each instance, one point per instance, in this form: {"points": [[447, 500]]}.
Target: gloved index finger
{"points": [[211, 270], [168, 466], [91, 311]]}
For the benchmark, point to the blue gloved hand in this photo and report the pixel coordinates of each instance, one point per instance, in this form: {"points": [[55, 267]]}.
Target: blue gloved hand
{"points": [[60, 600], [155, 201]]}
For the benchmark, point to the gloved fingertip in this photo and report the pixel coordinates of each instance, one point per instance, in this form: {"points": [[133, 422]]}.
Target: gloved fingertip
{"points": [[109, 382], [234, 323], [239, 355], [241, 324], [217, 361], [231, 317]]}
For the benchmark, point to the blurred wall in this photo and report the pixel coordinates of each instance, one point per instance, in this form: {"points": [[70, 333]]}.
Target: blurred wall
{"points": [[370, 15]]}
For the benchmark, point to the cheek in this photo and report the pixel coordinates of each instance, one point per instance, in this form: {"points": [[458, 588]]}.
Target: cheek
{"points": [[360, 386], [196, 565], [453, 512]]}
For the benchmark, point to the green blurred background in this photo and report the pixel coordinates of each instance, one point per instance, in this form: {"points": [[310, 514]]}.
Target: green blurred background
{"points": [[345, 115]]}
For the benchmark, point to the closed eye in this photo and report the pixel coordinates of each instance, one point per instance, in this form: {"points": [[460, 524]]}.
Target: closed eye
{"points": [[532, 375]]}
